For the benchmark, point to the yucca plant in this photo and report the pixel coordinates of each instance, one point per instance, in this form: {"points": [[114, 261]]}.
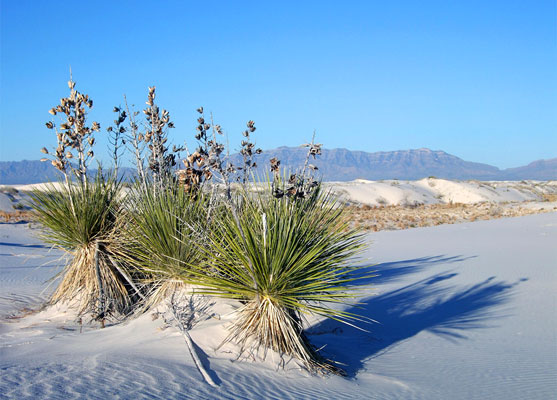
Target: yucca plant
{"points": [[165, 231], [284, 258], [84, 220]]}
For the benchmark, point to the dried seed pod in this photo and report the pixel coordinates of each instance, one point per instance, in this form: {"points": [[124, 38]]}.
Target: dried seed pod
{"points": [[91, 141], [69, 155], [49, 125], [275, 164], [44, 159], [313, 167], [58, 164], [52, 111], [44, 150], [95, 126], [200, 110]]}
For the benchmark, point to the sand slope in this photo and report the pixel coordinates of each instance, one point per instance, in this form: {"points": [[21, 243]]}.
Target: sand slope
{"points": [[434, 190], [466, 312]]}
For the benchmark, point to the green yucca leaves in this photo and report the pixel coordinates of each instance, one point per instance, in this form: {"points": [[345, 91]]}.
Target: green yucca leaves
{"points": [[85, 219], [282, 258], [299, 250], [165, 231], [78, 214]]}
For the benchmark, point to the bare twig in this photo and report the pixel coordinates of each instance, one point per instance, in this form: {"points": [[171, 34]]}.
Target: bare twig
{"points": [[184, 322]]}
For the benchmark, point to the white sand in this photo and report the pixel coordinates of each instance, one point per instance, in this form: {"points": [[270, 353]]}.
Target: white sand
{"points": [[36, 186], [467, 312], [424, 191], [433, 190], [6, 203]]}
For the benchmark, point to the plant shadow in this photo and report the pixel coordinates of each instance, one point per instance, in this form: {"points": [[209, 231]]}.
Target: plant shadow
{"points": [[29, 246], [207, 364], [429, 305], [391, 271]]}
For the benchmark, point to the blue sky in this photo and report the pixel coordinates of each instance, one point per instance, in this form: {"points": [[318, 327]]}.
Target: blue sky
{"points": [[477, 79]]}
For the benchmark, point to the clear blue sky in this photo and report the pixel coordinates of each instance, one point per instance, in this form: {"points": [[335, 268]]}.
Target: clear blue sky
{"points": [[477, 79]]}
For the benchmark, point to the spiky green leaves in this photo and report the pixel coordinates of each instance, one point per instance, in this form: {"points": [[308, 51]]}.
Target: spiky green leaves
{"points": [[76, 215], [85, 219], [166, 230], [284, 258]]}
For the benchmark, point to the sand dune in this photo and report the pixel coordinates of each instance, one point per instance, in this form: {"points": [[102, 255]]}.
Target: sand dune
{"points": [[435, 191]]}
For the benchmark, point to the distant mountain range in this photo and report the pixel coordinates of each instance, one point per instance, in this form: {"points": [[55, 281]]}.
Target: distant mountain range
{"points": [[341, 165], [347, 165]]}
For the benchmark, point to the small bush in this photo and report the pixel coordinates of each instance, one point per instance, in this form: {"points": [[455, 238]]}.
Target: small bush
{"points": [[165, 231], [84, 220], [283, 258]]}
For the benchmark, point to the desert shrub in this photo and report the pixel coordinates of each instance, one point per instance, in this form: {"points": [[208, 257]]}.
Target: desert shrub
{"points": [[381, 201], [84, 220], [83, 217], [283, 258], [166, 227], [9, 190]]}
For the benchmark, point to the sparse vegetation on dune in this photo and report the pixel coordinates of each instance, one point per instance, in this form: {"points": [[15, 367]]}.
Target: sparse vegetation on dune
{"points": [[163, 235], [283, 258], [85, 221], [394, 217], [83, 217], [283, 247]]}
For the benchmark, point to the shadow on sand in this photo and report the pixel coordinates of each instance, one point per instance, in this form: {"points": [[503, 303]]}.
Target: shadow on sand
{"points": [[431, 304], [29, 246], [391, 271]]}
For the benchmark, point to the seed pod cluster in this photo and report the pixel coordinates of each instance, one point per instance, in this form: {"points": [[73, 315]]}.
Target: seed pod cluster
{"points": [[300, 185], [205, 160], [74, 137], [160, 159], [247, 151]]}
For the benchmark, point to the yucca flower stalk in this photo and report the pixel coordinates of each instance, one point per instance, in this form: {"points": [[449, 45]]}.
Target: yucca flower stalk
{"points": [[74, 137], [84, 220], [284, 259]]}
